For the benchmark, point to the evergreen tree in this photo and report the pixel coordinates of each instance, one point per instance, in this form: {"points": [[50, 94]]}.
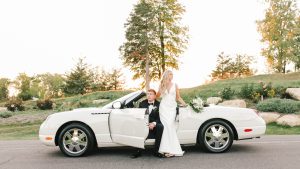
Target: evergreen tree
{"points": [[79, 80], [222, 70]]}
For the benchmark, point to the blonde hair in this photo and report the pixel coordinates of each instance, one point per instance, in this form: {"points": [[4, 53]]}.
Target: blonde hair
{"points": [[164, 81]]}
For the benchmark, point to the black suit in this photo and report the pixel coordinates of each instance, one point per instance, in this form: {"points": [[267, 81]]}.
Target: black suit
{"points": [[156, 133]]}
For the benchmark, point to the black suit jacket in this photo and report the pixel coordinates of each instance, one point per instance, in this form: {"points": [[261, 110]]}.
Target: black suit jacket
{"points": [[154, 115]]}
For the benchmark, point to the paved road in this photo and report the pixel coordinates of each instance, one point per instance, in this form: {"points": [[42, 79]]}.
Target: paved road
{"points": [[269, 152]]}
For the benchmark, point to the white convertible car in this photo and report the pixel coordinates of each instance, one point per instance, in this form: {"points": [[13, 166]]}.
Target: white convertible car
{"points": [[120, 123]]}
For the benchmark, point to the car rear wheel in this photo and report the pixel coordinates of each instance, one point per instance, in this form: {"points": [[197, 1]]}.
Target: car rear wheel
{"points": [[216, 136], [76, 140]]}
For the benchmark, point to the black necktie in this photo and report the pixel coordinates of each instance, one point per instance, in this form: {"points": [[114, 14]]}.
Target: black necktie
{"points": [[151, 104]]}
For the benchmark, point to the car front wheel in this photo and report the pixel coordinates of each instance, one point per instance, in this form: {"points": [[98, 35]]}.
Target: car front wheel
{"points": [[216, 136], [76, 140]]}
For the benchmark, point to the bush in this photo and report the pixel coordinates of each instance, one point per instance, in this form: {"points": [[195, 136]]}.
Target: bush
{"points": [[281, 92], [44, 104], [5, 114], [14, 104], [247, 91], [227, 93], [25, 96], [256, 97], [279, 105]]}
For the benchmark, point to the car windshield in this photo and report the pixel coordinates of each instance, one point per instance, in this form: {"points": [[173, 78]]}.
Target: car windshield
{"points": [[122, 99]]}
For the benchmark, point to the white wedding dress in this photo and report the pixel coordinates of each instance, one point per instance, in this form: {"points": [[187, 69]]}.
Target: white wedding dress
{"points": [[167, 112]]}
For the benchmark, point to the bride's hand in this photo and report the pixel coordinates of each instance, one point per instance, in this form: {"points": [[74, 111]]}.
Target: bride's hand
{"points": [[183, 105]]}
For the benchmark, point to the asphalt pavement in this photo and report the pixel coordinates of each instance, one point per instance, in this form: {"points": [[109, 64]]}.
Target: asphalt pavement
{"points": [[268, 152]]}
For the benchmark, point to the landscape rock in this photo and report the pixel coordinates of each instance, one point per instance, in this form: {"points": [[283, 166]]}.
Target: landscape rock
{"points": [[294, 93], [234, 103], [3, 109], [213, 100], [289, 120], [270, 117]]}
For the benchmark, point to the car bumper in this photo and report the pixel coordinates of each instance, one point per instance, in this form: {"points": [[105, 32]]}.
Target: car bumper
{"points": [[46, 135], [251, 131]]}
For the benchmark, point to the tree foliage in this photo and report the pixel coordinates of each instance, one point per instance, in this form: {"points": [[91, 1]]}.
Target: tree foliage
{"points": [[154, 34], [108, 80], [78, 80], [278, 33], [4, 83], [52, 85], [296, 45], [23, 84], [232, 67], [222, 70]]}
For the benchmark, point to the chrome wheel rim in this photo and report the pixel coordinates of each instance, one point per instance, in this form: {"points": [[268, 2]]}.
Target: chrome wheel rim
{"points": [[75, 141], [216, 136]]}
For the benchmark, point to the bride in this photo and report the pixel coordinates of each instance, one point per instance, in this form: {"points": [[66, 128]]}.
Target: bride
{"points": [[169, 92]]}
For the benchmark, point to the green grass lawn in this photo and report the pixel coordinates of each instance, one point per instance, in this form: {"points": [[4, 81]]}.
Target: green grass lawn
{"points": [[19, 131], [212, 89], [275, 129]]}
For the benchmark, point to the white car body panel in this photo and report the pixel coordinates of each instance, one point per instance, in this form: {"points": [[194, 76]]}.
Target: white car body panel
{"points": [[129, 127], [121, 127]]}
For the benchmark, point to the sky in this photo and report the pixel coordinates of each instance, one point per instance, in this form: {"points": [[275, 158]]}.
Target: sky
{"points": [[38, 36]]}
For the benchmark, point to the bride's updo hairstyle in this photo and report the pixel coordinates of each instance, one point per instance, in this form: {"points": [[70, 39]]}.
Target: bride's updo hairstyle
{"points": [[164, 81]]}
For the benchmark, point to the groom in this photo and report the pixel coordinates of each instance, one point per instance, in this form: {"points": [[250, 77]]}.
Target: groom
{"points": [[155, 126]]}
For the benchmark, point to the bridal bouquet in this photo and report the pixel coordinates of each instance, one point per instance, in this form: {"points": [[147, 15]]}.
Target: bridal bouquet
{"points": [[197, 104]]}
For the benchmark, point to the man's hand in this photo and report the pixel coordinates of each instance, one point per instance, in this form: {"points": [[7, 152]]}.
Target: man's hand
{"points": [[151, 126]]}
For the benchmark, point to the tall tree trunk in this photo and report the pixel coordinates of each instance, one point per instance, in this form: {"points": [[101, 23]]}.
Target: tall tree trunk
{"points": [[162, 45], [147, 85], [147, 78]]}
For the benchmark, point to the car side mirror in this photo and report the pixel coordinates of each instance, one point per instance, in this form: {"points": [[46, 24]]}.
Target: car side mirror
{"points": [[117, 105]]}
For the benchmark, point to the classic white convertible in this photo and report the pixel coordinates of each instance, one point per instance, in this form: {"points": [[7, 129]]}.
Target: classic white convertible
{"points": [[119, 123]]}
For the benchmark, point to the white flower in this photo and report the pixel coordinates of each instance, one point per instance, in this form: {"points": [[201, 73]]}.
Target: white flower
{"points": [[197, 104]]}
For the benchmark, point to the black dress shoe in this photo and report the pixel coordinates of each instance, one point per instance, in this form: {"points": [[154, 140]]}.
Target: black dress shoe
{"points": [[136, 155], [159, 155]]}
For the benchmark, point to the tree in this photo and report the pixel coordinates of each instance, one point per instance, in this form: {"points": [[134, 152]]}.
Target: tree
{"points": [[222, 70], [277, 33], [108, 80], [296, 45], [115, 81], [241, 66], [139, 34], [154, 38], [230, 67], [172, 35], [4, 83], [23, 82], [52, 85], [79, 80]]}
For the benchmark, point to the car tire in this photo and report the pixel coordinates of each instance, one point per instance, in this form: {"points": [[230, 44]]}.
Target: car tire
{"points": [[76, 140], [216, 136]]}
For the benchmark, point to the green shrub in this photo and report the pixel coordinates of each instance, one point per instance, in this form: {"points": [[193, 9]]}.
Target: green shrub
{"points": [[227, 93], [44, 104], [281, 92], [25, 96], [5, 114], [14, 104], [247, 91], [255, 97], [279, 105]]}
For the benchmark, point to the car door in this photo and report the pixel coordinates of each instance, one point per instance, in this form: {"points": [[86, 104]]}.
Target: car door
{"points": [[129, 126]]}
